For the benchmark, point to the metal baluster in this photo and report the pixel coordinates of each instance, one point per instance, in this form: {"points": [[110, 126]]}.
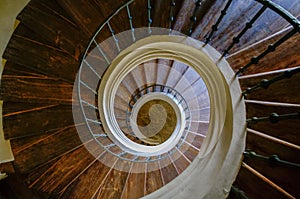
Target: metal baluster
{"points": [[238, 193], [99, 135], [271, 48], [130, 22], [88, 87], [101, 52], [114, 36], [93, 121], [149, 16], [92, 69], [274, 160], [247, 27], [171, 20], [193, 18], [266, 83], [215, 26], [273, 118], [91, 105]]}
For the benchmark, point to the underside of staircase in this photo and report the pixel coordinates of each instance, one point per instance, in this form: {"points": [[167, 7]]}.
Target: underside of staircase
{"points": [[47, 50]]}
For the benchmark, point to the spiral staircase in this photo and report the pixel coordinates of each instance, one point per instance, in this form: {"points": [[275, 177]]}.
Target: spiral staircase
{"points": [[162, 99]]}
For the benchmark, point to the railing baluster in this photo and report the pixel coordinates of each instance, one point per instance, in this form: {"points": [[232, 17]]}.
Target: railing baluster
{"points": [[215, 26], [89, 104], [93, 121], [130, 23], [114, 36], [99, 135], [101, 52], [89, 65], [266, 83], [274, 160], [149, 16], [238, 193], [171, 19], [236, 39], [87, 86], [273, 118], [193, 18], [271, 48]]}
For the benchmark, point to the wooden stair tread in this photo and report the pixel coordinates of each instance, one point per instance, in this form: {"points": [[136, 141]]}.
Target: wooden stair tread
{"points": [[30, 153], [41, 57], [51, 26], [84, 13], [64, 170], [114, 184], [31, 89], [279, 129], [288, 59], [29, 122], [234, 23], [153, 177], [135, 186], [262, 185], [89, 182]]}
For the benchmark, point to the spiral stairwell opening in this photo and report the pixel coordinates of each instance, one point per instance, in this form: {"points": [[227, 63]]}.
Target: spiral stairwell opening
{"points": [[136, 98]]}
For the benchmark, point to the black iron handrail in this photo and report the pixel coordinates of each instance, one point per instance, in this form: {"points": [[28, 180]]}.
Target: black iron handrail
{"points": [[274, 160], [265, 83], [273, 118]]}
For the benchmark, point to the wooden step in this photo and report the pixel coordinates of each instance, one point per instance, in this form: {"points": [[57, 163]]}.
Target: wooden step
{"points": [[135, 186], [33, 151], [168, 170], [285, 56], [28, 89], [248, 175], [11, 69], [182, 20], [153, 177], [53, 27], [234, 22], [22, 121], [163, 70], [64, 170], [114, 184], [285, 177], [278, 130], [41, 57], [91, 180]]}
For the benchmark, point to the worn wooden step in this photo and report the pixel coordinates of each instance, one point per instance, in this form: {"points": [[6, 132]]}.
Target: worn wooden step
{"points": [[248, 175], [53, 27], [153, 177], [30, 89], [89, 15], [91, 180], [283, 176], [278, 130], [168, 170], [284, 90], [65, 169], [238, 14], [285, 56], [135, 185], [22, 121], [41, 57], [114, 184], [33, 151]]}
